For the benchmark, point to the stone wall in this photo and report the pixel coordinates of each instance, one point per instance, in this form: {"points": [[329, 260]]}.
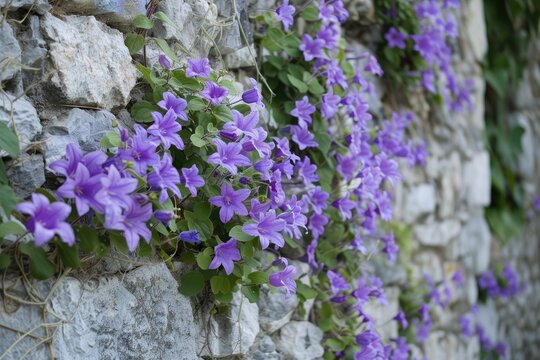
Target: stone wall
{"points": [[66, 76]]}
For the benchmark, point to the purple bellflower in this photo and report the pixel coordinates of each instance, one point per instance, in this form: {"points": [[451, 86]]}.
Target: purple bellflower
{"points": [[164, 62], [47, 219], [303, 138], [83, 188], [395, 38], [177, 105], [115, 190], [224, 255], [229, 156], [311, 48], [302, 111], [190, 236], [165, 130], [230, 202], [253, 95], [132, 222], [165, 177], [214, 93], [191, 179], [198, 67], [285, 14], [337, 282], [93, 161], [284, 278], [268, 228]]}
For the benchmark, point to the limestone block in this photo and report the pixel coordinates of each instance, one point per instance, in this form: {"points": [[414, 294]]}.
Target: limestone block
{"points": [[10, 52], [22, 113], [300, 340]]}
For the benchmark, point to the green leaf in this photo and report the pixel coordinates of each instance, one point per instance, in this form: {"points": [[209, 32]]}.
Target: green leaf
{"points": [[237, 233], [142, 22], [40, 266], [197, 140], [306, 291], [11, 228], [258, 277], [161, 16], [69, 254], [111, 140], [119, 241], [299, 84], [310, 13], [141, 111], [8, 199], [220, 284], [222, 113], [191, 283], [204, 226], [335, 344], [205, 258], [4, 261], [3, 175], [9, 141], [196, 104], [251, 293], [134, 43], [164, 46]]}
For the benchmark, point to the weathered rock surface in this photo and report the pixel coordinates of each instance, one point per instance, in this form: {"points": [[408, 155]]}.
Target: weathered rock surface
{"points": [[275, 309], [300, 340], [264, 349], [91, 65], [10, 52], [26, 174], [419, 201], [21, 112], [117, 13], [39, 6]]}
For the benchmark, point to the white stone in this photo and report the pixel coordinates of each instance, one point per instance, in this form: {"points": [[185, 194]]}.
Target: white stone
{"points": [[244, 57], [487, 318], [473, 244], [300, 340], [275, 309], [10, 52], [264, 349], [24, 115], [382, 315], [229, 334], [427, 262], [82, 127], [477, 180], [420, 200], [450, 185], [39, 6], [475, 28], [91, 65], [437, 233], [117, 13]]}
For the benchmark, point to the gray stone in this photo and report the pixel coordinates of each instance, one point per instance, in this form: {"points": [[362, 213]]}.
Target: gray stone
{"points": [[488, 319], [229, 334], [264, 349], [82, 127], [10, 52], [39, 6], [475, 29], [26, 174], [275, 308], [34, 51], [420, 200], [300, 340], [473, 244], [139, 315], [427, 262], [256, 6], [194, 30], [244, 57], [91, 65], [437, 233], [117, 13], [477, 180], [22, 113], [360, 11], [382, 315]]}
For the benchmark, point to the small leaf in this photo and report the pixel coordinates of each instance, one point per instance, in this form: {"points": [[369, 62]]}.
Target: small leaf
{"points": [[111, 140], [4, 261], [222, 113], [251, 293], [220, 284], [161, 16], [142, 22], [305, 291], [40, 266], [141, 111], [69, 254], [197, 141], [8, 199], [237, 233], [9, 141], [134, 43], [205, 258], [310, 13], [258, 277], [119, 242], [196, 104], [299, 84], [11, 228], [164, 46], [191, 283]]}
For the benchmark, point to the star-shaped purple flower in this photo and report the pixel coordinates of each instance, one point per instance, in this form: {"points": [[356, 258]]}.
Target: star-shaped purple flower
{"points": [[337, 282], [302, 137], [285, 14], [165, 130], [214, 93], [164, 177], [284, 278], [395, 38], [224, 255], [302, 111], [115, 190], [191, 179], [198, 67], [311, 48], [268, 228], [229, 156], [177, 105], [132, 222], [83, 188], [230, 202]]}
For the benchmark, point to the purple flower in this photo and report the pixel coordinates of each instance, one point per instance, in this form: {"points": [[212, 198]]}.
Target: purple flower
{"points": [[457, 277], [373, 66], [316, 224], [253, 95], [177, 105], [164, 177], [337, 282], [284, 278], [224, 255], [422, 330], [83, 188], [344, 205], [164, 216], [389, 169], [115, 190], [536, 203], [465, 323], [268, 228], [488, 282], [311, 48], [47, 219], [391, 249], [401, 319], [67, 167], [142, 151], [307, 171], [214, 93], [347, 166], [285, 14], [200, 67], [165, 129], [191, 179], [395, 38], [132, 222], [511, 282], [302, 137], [190, 236], [230, 202], [263, 167], [164, 62], [302, 111], [256, 140], [242, 124], [229, 156], [329, 105], [318, 199]]}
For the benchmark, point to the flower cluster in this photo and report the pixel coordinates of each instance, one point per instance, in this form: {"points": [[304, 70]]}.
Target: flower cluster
{"points": [[505, 285]]}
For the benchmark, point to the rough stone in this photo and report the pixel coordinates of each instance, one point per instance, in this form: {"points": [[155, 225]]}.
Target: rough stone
{"points": [[300, 340], [473, 244], [477, 180], [275, 309], [420, 201], [256, 6], [382, 314], [26, 174], [475, 29], [241, 58], [360, 11], [10, 52], [427, 262], [34, 51], [82, 127], [24, 115], [39, 6], [91, 65], [229, 334], [264, 349], [437, 233]]}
